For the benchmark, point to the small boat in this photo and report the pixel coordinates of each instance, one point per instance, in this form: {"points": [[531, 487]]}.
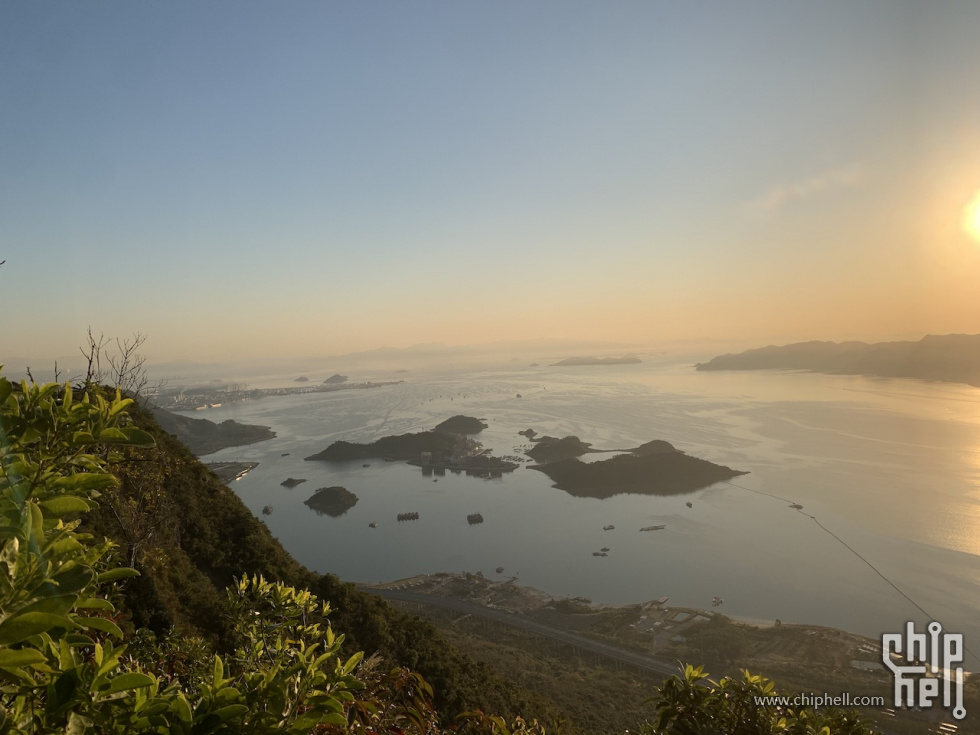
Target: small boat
{"points": [[366, 464], [608, 528], [716, 601], [599, 553], [267, 510], [473, 518], [796, 506], [604, 548], [372, 524], [689, 504], [500, 570], [653, 528]]}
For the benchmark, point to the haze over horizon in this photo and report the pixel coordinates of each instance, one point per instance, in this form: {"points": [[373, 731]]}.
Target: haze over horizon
{"points": [[242, 180]]}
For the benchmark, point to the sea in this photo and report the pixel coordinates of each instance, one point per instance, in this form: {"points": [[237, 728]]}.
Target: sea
{"points": [[887, 472]]}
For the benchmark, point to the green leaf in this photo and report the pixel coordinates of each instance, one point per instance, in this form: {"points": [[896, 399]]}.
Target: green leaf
{"points": [[56, 605], [74, 578], [60, 505], [18, 628], [131, 680], [118, 573], [84, 481], [25, 657], [82, 439], [112, 435], [138, 437], [106, 626]]}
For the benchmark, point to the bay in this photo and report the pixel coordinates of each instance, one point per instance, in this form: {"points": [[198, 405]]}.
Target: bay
{"points": [[888, 472]]}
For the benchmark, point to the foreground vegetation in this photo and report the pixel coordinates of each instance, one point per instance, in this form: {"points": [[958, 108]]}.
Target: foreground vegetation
{"points": [[194, 620]]}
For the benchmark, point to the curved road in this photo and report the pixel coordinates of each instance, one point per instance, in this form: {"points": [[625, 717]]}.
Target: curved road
{"points": [[615, 653]]}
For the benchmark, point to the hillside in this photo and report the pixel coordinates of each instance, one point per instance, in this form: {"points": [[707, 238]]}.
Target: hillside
{"points": [[950, 358], [189, 536]]}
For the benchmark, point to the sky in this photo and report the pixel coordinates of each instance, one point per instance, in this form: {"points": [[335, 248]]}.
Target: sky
{"points": [[237, 179]]}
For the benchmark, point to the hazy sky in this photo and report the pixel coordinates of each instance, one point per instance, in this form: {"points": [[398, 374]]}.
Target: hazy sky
{"points": [[238, 179]]}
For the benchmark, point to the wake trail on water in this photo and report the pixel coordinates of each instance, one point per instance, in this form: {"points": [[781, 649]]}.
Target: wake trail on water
{"points": [[847, 546]]}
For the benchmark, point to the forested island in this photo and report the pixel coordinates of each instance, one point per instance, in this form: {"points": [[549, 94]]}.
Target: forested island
{"points": [[332, 501], [654, 468], [949, 358], [461, 425], [400, 446]]}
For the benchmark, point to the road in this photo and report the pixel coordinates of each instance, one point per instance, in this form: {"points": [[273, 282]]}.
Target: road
{"points": [[606, 650]]}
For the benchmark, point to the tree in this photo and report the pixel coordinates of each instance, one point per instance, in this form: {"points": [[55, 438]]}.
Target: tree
{"points": [[691, 704]]}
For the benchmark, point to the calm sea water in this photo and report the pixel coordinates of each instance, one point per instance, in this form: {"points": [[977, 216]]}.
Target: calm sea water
{"points": [[892, 467]]}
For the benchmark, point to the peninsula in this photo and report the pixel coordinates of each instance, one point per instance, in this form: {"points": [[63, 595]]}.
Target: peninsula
{"points": [[206, 437], [951, 358]]}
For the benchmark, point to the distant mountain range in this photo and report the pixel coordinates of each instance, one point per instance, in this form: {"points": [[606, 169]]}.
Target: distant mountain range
{"points": [[953, 358]]}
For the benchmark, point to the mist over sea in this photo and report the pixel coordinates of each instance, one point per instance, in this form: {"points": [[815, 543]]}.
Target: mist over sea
{"points": [[892, 467]]}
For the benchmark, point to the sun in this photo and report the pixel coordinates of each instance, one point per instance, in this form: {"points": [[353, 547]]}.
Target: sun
{"points": [[971, 218]]}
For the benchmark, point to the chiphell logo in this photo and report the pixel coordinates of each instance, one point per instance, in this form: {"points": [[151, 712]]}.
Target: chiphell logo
{"points": [[927, 668]]}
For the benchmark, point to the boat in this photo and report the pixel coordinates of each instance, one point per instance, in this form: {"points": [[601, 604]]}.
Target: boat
{"points": [[689, 504], [473, 518], [604, 548], [500, 570], [599, 553], [267, 510], [372, 524], [796, 506], [653, 528], [608, 528]]}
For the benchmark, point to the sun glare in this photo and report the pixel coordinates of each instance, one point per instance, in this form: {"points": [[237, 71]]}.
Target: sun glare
{"points": [[971, 218]]}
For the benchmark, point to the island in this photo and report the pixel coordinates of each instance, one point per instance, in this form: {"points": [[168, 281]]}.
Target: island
{"points": [[461, 425], [302, 379], [550, 449], [654, 468], [430, 450], [335, 379], [951, 358], [292, 482], [624, 360], [206, 437], [401, 446], [332, 501]]}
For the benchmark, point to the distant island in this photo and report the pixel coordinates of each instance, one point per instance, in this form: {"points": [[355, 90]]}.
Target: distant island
{"points": [[461, 425], [302, 379], [953, 358], [624, 360], [335, 379], [654, 468], [292, 482], [332, 501], [206, 437]]}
